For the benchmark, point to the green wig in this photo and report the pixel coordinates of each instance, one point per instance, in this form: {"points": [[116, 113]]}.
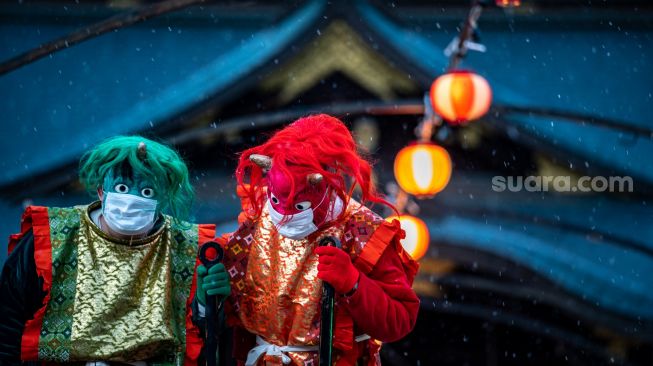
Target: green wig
{"points": [[158, 163]]}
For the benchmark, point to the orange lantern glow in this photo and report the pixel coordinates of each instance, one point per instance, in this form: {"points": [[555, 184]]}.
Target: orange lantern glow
{"points": [[422, 169], [508, 3], [417, 237], [460, 96]]}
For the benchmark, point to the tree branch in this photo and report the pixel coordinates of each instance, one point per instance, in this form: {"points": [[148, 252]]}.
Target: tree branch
{"points": [[94, 30]]}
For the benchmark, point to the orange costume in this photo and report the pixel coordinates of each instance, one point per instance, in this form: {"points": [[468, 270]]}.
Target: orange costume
{"points": [[276, 274]]}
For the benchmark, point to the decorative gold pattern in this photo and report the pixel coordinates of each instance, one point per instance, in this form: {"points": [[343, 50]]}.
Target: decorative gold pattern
{"points": [[281, 293], [124, 305], [339, 48]]}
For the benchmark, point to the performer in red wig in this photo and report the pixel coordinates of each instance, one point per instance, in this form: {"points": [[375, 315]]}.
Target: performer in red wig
{"points": [[297, 189]]}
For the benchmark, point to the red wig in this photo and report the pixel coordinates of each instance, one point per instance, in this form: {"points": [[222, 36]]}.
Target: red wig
{"points": [[314, 144]]}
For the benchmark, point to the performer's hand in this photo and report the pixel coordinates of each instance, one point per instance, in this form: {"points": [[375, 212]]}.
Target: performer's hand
{"points": [[335, 267], [215, 281]]}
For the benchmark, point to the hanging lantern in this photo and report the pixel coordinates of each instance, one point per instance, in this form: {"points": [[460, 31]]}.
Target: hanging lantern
{"points": [[417, 237], [460, 96], [422, 169], [508, 3]]}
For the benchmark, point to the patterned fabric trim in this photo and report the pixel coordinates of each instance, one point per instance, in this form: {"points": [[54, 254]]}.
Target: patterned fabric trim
{"points": [[362, 227], [36, 218], [54, 342], [367, 237], [236, 256], [183, 285], [376, 245], [194, 343]]}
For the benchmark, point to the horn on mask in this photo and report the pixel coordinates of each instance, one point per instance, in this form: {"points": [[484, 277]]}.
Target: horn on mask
{"points": [[315, 178], [265, 162], [141, 151]]}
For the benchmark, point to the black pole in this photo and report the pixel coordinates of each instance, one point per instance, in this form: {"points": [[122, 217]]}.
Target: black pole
{"points": [[328, 311], [466, 32], [94, 30], [212, 304]]}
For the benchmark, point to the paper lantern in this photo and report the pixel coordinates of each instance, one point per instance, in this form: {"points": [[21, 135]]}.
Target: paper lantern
{"points": [[417, 239], [422, 169], [460, 96], [508, 3]]}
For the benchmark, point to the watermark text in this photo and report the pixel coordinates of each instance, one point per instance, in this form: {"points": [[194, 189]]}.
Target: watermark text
{"points": [[539, 183]]}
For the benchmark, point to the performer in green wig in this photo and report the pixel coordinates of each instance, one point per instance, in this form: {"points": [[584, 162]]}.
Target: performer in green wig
{"points": [[139, 167], [111, 281]]}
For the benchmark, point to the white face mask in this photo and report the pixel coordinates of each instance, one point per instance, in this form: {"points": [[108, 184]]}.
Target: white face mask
{"points": [[300, 225], [128, 214]]}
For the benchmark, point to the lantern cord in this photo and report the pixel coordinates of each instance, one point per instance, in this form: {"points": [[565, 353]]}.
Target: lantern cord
{"points": [[427, 127], [429, 123], [401, 199]]}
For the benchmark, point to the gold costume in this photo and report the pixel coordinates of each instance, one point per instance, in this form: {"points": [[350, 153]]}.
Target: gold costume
{"points": [[282, 301], [111, 299]]}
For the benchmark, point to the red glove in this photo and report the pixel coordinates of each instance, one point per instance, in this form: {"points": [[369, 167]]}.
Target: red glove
{"points": [[335, 267]]}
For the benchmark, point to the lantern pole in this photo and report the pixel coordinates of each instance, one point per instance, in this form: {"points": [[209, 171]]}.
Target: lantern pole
{"points": [[465, 34], [431, 120], [456, 51]]}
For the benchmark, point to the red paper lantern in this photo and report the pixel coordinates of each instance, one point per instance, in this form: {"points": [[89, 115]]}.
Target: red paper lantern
{"points": [[460, 96], [417, 239], [422, 169], [508, 3]]}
